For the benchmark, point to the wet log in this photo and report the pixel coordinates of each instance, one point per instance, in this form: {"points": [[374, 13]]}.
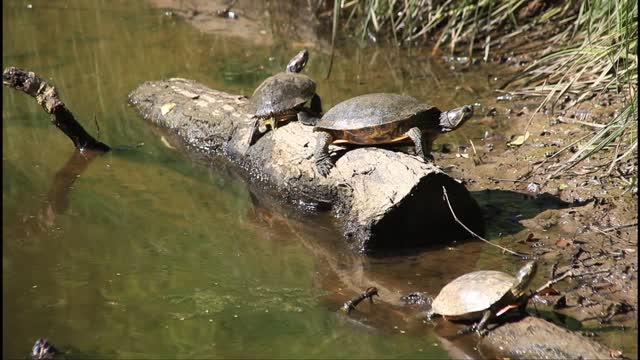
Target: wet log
{"points": [[47, 97], [381, 198]]}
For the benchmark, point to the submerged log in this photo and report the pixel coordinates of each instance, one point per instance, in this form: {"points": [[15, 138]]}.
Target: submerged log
{"points": [[381, 198]]}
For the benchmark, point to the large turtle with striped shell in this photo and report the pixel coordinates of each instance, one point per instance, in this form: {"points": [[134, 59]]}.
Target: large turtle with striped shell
{"points": [[383, 118]]}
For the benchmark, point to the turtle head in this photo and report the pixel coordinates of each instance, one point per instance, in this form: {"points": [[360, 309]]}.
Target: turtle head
{"points": [[453, 119], [298, 62], [524, 276]]}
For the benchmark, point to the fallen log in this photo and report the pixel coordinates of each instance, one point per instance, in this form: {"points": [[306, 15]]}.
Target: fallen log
{"points": [[381, 198]]}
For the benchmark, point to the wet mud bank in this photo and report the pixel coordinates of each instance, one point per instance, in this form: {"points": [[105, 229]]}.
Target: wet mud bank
{"points": [[381, 198]]}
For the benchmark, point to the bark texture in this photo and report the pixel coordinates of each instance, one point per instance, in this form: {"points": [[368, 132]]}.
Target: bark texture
{"points": [[382, 198]]}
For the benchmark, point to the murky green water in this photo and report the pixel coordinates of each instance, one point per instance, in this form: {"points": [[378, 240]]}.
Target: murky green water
{"points": [[150, 254]]}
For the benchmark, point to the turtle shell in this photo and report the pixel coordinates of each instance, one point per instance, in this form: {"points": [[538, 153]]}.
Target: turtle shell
{"points": [[281, 93], [378, 118], [469, 295]]}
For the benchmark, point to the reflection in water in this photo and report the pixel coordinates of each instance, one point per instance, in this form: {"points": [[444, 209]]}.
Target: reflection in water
{"points": [[57, 200]]}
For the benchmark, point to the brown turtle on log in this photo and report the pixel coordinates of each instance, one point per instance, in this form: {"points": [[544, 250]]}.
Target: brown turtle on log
{"points": [[283, 97], [383, 118]]}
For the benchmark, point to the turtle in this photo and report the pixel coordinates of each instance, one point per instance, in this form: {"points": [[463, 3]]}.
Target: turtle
{"points": [[383, 118], [483, 295], [283, 97]]}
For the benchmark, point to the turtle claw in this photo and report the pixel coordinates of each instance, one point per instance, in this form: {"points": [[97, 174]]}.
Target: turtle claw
{"points": [[324, 168], [468, 329], [475, 327]]}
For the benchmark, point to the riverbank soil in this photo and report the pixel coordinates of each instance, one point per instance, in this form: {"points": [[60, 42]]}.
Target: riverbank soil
{"points": [[595, 234]]}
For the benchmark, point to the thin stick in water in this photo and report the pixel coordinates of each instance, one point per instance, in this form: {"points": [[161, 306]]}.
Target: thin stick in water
{"points": [[446, 197]]}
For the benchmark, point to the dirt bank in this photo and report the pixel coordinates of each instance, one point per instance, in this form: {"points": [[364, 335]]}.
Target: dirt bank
{"points": [[598, 235]]}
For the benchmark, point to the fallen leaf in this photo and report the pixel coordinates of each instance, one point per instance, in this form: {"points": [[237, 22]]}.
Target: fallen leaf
{"points": [[166, 108], [519, 140]]}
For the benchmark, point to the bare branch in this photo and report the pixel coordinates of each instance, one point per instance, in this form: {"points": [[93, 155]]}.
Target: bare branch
{"points": [[47, 96]]}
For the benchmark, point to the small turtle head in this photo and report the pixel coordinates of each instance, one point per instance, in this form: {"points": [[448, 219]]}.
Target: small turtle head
{"points": [[453, 119], [298, 62], [524, 276]]}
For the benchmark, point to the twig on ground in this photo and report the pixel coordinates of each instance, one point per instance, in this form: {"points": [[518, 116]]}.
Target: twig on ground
{"points": [[635, 224], [568, 274], [507, 180], [605, 234]]}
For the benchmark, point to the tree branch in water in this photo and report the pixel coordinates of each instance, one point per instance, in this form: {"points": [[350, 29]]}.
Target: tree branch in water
{"points": [[47, 96]]}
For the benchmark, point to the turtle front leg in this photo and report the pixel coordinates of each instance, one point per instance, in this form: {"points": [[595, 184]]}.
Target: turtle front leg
{"points": [[481, 326], [321, 154], [423, 147]]}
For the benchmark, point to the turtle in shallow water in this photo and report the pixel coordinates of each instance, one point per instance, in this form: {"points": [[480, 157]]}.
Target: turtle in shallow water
{"points": [[382, 118], [483, 295], [283, 97]]}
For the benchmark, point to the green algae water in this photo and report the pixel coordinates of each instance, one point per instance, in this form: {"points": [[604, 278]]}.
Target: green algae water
{"points": [[146, 252]]}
